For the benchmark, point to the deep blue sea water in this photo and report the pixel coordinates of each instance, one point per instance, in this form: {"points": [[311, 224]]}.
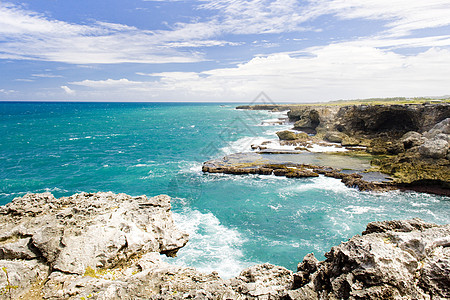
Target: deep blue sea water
{"points": [[158, 148]]}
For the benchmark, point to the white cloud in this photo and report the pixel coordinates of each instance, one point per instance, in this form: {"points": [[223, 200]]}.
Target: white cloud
{"points": [[68, 90], [7, 92], [402, 16], [338, 71], [46, 75], [26, 34]]}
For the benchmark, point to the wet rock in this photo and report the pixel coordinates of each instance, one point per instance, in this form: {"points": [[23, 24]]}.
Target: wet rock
{"points": [[383, 146]]}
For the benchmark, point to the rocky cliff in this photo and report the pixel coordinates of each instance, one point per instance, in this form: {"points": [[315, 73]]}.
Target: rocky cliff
{"points": [[108, 246], [411, 142]]}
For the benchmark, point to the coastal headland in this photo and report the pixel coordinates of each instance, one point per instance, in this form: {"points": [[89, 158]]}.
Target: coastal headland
{"points": [[109, 246], [408, 143]]}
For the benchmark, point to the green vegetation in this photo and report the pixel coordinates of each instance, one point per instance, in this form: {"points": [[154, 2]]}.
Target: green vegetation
{"points": [[7, 289], [385, 101]]}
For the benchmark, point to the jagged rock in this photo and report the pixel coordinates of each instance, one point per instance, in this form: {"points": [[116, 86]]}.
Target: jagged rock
{"points": [[442, 127], [393, 120], [21, 278], [435, 148], [412, 139], [398, 260], [392, 259], [72, 235], [264, 281], [308, 119]]}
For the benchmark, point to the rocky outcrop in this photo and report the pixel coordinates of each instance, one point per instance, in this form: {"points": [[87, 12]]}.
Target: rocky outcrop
{"points": [[391, 260], [410, 142], [108, 246], [287, 135], [254, 163], [65, 241], [390, 120], [363, 120], [312, 118], [39, 259], [422, 160]]}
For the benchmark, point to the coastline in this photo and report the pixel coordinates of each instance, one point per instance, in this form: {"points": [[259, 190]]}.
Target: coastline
{"points": [[108, 246], [408, 142], [181, 282]]}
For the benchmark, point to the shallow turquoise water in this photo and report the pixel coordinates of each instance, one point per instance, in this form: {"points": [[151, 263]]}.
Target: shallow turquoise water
{"points": [[234, 221]]}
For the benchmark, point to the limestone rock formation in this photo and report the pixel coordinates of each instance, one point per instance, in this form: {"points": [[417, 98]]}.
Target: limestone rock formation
{"points": [[108, 246], [391, 260], [72, 235], [390, 120]]}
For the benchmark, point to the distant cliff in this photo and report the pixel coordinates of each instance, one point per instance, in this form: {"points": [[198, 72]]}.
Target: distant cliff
{"points": [[412, 141], [363, 120]]}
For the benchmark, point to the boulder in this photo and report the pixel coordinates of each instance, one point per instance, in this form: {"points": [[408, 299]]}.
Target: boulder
{"points": [[335, 136], [82, 233], [435, 148], [349, 141], [412, 139], [442, 127], [288, 135]]}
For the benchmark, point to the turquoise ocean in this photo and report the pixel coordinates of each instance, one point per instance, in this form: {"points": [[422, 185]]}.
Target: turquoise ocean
{"points": [[158, 148]]}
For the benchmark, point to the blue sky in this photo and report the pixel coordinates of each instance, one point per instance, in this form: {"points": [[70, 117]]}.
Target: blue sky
{"points": [[223, 50]]}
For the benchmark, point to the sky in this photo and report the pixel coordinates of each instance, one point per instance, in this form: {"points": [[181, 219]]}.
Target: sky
{"points": [[223, 50]]}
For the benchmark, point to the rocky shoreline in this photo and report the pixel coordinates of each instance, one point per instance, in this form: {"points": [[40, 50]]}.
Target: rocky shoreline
{"points": [[408, 142], [108, 246]]}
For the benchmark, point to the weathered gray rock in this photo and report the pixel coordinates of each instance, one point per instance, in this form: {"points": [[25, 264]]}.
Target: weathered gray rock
{"points": [[412, 139], [435, 148], [392, 260], [442, 127], [21, 278], [85, 231], [108, 246], [264, 281], [335, 136]]}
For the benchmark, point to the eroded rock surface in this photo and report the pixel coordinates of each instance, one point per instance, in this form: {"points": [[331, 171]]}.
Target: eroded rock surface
{"points": [[108, 246], [391, 260], [72, 235]]}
